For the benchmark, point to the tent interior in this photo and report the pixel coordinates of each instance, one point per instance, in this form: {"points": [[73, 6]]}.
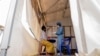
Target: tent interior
{"points": [[49, 12], [38, 13], [21, 21]]}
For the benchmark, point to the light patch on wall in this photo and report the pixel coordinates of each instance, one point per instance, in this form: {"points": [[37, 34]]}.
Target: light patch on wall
{"points": [[24, 21]]}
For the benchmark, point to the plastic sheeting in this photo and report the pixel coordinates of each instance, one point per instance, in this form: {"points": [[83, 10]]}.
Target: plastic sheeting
{"points": [[4, 8], [33, 20], [76, 16], [91, 21], [22, 42], [86, 22]]}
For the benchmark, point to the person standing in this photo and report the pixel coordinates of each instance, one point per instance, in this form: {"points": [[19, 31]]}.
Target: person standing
{"points": [[60, 35]]}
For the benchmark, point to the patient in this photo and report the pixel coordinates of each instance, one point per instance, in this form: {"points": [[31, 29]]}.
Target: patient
{"points": [[49, 46]]}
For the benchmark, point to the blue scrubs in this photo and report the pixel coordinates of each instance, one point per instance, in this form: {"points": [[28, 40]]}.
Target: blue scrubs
{"points": [[60, 35]]}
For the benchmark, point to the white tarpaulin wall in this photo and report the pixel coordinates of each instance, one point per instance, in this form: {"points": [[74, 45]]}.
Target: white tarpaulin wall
{"points": [[91, 22], [22, 43], [86, 21], [4, 8]]}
